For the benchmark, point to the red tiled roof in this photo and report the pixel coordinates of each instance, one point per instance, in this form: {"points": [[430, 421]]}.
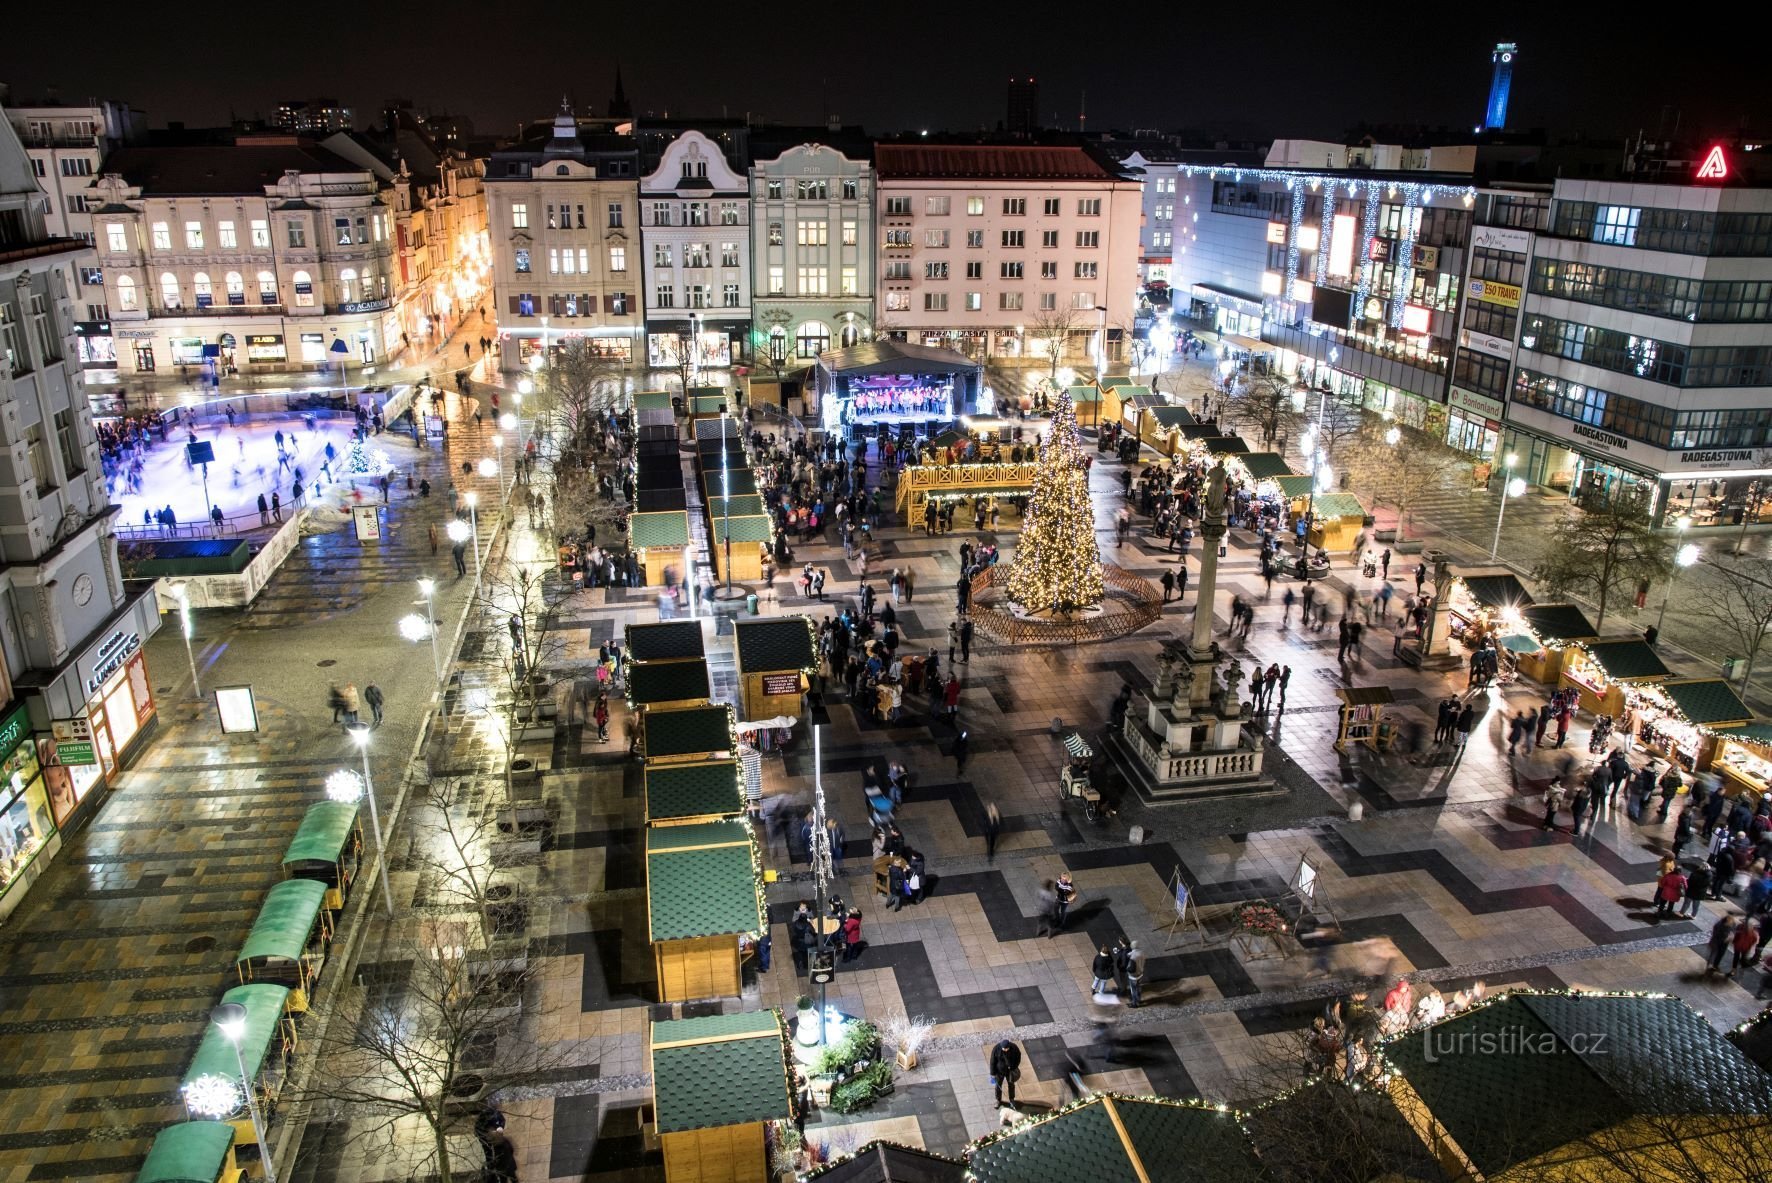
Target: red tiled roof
{"points": [[988, 162]]}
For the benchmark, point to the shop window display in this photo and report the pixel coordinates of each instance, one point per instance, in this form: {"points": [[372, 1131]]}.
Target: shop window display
{"points": [[25, 822]]}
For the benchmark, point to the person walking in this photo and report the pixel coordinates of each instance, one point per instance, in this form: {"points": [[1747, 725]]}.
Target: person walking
{"points": [[1005, 1069], [1064, 892], [600, 716], [1467, 722], [1553, 801], [1744, 940], [1134, 964], [372, 696], [852, 935], [1668, 891], [993, 826], [962, 749], [1721, 935], [1285, 680], [801, 939], [1670, 785], [1102, 969], [351, 703]]}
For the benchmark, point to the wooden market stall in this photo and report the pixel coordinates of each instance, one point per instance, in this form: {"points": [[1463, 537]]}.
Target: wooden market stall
{"points": [[777, 657], [1163, 428], [675, 497], [664, 640], [265, 1047], [1132, 405], [1362, 717], [750, 539], [1341, 517], [737, 482], [1485, 602], [1087, 402], [888, 1162], [1600, 671], [716, 1081], [747, 505], [1110, 1136], [1673, 719], [327, 848], [681, 681], [1264, 466], [191, 1152], [681, 794], [1542, 636], [703, 896], [1744, 759], [289, 940], [680, 735], [655, 400], [660, 540], [1111, 401], [707, 402]]}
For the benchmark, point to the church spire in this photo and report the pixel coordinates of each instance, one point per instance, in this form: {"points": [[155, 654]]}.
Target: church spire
{"points": [[618, 102]]}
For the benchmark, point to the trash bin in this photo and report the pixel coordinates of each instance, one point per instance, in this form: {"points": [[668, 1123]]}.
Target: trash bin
{"points": [[750, 603]]}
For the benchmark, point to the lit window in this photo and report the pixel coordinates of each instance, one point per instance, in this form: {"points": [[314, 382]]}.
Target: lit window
{"points": [[194, 236], [169, 290], [261, 233], [162, 236], [618, 256], [347, 285], [975, 206], [304, 289], [267, 288], [117, 238], [848, 281], [125, 294], [224, 236], [520, 215]]}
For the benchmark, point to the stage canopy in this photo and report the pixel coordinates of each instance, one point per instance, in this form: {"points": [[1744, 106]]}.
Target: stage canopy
{"points": [[885, 380]]}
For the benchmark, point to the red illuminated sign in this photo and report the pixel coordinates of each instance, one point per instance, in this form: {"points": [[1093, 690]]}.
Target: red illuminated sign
{"points": [[1715, 166]]}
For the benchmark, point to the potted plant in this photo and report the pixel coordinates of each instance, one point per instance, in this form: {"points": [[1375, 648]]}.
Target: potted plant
{"points": [[907, 1034]]}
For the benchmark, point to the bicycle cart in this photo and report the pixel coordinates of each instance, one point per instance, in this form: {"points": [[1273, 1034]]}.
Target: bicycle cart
{"points": [[1073, 782]]}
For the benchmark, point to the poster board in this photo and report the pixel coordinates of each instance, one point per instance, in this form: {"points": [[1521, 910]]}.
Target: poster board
{"points": [[1184, 919], [367, 520]]}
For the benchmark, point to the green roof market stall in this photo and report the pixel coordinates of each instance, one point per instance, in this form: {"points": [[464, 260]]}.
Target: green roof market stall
{"points": [[683, 682], [661, 640], [289, 940], [716, 1081], [674, 735], [677, 794], [1110, 1138], [659, 539], [191, 1152], [776, 657], [703, 885]]}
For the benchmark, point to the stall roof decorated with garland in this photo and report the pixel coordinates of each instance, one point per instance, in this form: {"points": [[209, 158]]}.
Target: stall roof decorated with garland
{"points": [[1115, 1139], [1754, 733], [1266, 465], [714, 789], [719, 1070], [1172, 417], [1557, 622], [747, 506], [667, 529], [1083, 394], [653, 400], [701, 881], [1707, 701], [682, 680], [189, 1152], [1528, 1073], [1225, 445], [884, 1162], [1338, 505], [661, 640], [756, 528], [775, 643], [1496, 589], [1295, 486], [1626, 660], [686, 731]]}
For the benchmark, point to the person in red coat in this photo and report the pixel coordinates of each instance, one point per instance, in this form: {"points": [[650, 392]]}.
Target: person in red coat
{"points": [[1668, 890], [852, 935]]}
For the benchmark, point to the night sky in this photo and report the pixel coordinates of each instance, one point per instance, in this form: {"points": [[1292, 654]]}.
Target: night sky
{"points": [[1238, 69]]}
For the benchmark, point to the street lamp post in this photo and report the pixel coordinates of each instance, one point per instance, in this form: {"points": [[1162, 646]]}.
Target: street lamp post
{"points": [[183, 592], [428, 589], [726, 499], [821, 861], [230, 1019], [544, 342], [1685, 556], [473, 500], [492, 467], [361, 735], [1512, 486]]}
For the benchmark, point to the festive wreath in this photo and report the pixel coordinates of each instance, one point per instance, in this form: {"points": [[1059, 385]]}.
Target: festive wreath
{"points": [[1260, 919]]}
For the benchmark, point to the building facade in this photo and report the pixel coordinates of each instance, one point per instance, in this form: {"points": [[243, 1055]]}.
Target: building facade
{"points": [[1642, 370], [812, 233], [998, 250], [80, 701], [695, 212], [563, 221], [1157, 177], [271, 254]]}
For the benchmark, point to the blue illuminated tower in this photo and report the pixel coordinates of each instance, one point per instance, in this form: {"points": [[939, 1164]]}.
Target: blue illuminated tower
{"points": [[1495, 117]]}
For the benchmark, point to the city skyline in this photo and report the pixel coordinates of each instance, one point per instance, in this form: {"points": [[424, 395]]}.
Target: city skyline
{"points": [[1209, 73]]}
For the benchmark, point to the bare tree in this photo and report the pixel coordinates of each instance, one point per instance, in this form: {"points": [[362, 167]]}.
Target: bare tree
{"points": [[459, 840], [1053, 327], [1264, 405], [575, 389], [1601, 552], [1397, 466], [1735, 598], [515, 600]]}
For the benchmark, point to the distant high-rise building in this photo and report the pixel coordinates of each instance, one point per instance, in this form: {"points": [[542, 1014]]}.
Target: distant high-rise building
{"points": [[1024, 107], [1500, 83], [320, 117]]}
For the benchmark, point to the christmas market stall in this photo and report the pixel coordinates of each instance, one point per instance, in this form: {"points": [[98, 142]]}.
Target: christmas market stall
{"points": [[1340, 520], [660, 540], [1135, 405], [1362, 717], [1676, 720], [704, 904], [685, 735], [777, 657], [888, 1162], [1578, 1087], [1263, 466], [1113, 1137], [1601, 670], [1743, 757], [680, 794], [1112, 395], [328, 849], [1164, 428], [654, 400], [664, 640], [1539, 635], [191, 1152], [289, 940], [211, 1085], [740, 546], [1088, 401], [894, 383], [717, 1082], [679, 682], [1484, 602], [706, 402]]}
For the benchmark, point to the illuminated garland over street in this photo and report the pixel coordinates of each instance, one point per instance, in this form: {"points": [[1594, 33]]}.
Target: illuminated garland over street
{"points": [[1058, 565]]}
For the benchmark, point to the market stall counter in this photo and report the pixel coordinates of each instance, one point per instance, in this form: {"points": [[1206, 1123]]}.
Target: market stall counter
{"points": [[1674, 719], [1543, 635], [1744, 758], [1601, 670], [1485, 602]]}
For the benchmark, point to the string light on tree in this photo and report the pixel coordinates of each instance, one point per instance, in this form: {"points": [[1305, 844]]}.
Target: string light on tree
{"points": [[1058, 566]]}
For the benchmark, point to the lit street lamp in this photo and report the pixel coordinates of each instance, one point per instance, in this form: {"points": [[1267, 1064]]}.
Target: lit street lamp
{"points": [[428, 589], [344, 785], [1685, 556], [183, 594], [1513, 486], [492, 467], [460, 531], [230, 1019]]}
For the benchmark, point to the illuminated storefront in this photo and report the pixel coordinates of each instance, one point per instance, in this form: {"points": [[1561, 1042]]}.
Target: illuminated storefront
{"points": [[26, 824], [120, 702]]}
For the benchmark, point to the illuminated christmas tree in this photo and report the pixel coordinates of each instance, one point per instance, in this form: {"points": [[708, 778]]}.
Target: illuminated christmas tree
{"points": [[359, 459], [1058, 565]]}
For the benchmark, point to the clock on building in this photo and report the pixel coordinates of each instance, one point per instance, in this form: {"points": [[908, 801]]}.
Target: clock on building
{"points": [[83, 590]]}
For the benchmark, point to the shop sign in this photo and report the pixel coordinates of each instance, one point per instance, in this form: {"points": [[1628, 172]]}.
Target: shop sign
{"points": [[75, 753], [1481, 404], [781, 683], [367, 519], [118, 648], [1499, 238], [364, 306], [71, 730], [14, 731], [1600, 437], [1491, 291], [1487, 343], [1427, 258], [1750, 461], [134, 334]]}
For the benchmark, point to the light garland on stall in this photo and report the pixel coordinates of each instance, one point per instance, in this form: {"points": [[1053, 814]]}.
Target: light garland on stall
{"points": [[1368, 265]]}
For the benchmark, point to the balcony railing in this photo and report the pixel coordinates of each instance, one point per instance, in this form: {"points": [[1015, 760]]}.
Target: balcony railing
{"points": [[60, 141]]}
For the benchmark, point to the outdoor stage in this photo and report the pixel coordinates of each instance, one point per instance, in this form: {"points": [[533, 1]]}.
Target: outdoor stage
{"points": [[890, 382]]}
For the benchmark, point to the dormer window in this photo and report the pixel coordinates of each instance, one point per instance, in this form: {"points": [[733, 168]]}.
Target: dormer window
{"points": [[560, 170]]}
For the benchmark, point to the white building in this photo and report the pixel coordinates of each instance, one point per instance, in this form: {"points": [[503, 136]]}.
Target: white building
{"points": [[79, 697], [812, 233], [1157, 174], [270, 254], [563, 218], [695, 233], [987, 249]]}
